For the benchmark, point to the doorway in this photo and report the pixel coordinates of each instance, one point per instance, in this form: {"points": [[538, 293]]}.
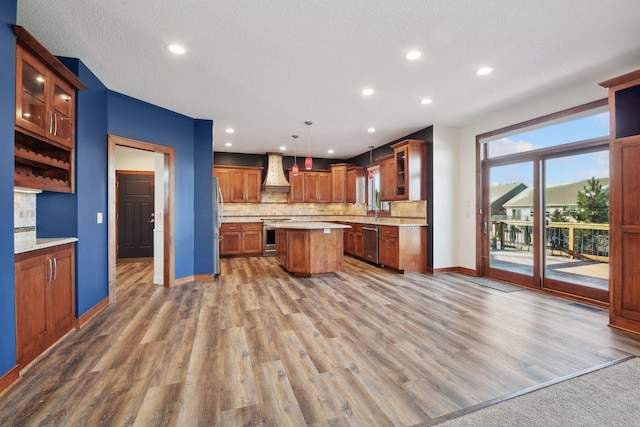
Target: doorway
{"points": [[163, 216], [544, 207]]}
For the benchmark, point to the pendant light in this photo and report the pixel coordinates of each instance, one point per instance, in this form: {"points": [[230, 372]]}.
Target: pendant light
{"points": [[370, 161], [295, 168], [308, 162]]}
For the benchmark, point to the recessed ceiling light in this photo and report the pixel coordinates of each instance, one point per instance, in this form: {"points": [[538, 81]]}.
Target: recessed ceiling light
{"points": [[367, 92], [330, 151], [484, 71], [371, 130], [413, 55], [229, 130], [177, 49], [426, 101], [228, 144], [282, 148]]}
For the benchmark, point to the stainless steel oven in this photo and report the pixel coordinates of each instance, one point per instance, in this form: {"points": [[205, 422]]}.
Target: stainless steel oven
{"points": [[269, 235]]}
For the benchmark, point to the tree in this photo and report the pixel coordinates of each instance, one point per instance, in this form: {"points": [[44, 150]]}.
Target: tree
{"points": [[593, 203], [556, 216]]}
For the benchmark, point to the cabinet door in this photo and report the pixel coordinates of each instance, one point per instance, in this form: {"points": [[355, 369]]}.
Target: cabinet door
{"points": [[224, 182], [253, 186], [339, 184], [387, 180], [323, 187], [358, 243], [281, 247], [62, 106], [32, 88], [231, 242], [251, 242], [401, 179], [296, 191], [310, 187], [237, 186], [32, 334], [389, 252], [62, 293]]}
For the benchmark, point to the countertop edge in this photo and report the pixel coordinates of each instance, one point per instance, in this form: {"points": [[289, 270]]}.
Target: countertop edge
{"points": [[43, 244]]}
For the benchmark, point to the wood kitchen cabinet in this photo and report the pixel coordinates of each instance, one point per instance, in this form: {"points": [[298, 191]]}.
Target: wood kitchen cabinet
{"points": [[45, 117], [356, 184], [387, 178], [354, 240], [409, 170], [239, 184], [310, 187], [624, 250], [403, 248], [348, 183], [44, 299], [241, 239]]}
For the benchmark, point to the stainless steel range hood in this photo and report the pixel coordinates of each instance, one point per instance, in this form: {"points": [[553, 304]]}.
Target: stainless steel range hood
{"points": [[275, 180]]}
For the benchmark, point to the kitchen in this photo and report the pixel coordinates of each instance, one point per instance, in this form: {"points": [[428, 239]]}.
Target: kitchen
{"points": [[259, 209]]}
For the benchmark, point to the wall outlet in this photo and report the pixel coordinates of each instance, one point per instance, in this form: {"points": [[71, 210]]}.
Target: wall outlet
{"points": [[99, 218]]}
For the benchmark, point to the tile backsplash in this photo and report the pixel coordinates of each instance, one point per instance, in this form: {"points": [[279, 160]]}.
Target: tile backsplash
{"points": [[24, 217]]}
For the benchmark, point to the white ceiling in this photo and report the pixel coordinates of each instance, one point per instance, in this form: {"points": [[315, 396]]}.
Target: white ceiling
{"points": [[265, 67]]}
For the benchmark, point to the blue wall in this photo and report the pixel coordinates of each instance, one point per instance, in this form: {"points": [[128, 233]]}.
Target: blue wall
{"points": [[203, 202], [8, 10], [135, 119]]}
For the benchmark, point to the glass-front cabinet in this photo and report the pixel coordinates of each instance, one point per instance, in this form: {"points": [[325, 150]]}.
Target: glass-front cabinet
{"points": [[44, 121]]}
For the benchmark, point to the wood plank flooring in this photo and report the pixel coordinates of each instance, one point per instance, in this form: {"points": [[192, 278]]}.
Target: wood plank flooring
{"points": [[257, 346]]}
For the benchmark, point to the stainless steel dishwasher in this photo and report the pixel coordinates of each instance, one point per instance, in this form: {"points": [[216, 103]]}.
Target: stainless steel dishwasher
{"points": [[370, 242]]}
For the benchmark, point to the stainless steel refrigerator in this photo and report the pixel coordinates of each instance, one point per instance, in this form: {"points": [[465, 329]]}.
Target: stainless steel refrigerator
{"points": [[218, 206]]}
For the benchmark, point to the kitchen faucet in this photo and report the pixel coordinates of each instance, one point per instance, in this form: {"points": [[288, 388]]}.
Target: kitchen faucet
{"points": [[375, 209]]}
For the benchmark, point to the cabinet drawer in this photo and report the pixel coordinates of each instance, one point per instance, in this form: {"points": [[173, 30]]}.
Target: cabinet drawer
{"points": [[357, 228], [231, 226], [388, 231], [251, 226]]}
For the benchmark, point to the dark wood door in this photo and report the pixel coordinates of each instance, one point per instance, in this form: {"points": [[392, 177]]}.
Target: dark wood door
{"points": [[32, 337], [62, 293], [135, 215]]}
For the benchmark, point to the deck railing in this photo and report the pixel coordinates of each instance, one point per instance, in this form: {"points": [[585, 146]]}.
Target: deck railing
{"points": [[573, 240]]}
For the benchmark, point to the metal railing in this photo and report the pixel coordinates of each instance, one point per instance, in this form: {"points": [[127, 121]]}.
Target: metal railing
{"points": [[573, 240]]}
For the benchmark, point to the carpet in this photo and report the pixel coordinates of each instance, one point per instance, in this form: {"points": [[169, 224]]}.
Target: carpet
{"points": [[494, 284], [606, 397]]}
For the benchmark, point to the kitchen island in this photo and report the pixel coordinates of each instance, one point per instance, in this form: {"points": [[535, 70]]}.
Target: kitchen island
{"points": [[309, 248]]}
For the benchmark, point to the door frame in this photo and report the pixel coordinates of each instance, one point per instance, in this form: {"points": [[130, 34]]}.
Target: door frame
{"points": [[168, 207]]}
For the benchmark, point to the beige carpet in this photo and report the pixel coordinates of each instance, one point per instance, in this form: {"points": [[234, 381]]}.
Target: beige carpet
{"points": [[606, 397]]}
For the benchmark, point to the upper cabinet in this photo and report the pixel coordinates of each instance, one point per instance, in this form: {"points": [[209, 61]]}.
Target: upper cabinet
{"points": [[310, 187], [403, 174], [239, 184], [45, 113], [348, 183], [410, 170]]}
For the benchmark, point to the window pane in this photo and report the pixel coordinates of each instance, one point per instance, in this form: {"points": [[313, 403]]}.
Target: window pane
{"points": [[577, 129]]}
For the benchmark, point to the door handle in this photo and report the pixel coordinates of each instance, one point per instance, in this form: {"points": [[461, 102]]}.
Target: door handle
{"points": [[55, 124], [50, 122], [50, 270], [55, 269]]}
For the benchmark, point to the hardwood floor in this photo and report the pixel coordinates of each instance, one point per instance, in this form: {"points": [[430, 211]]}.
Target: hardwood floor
{"points": [[257, 346]]}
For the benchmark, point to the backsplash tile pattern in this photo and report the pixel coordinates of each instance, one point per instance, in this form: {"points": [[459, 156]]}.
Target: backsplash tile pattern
{"points": [[24, 217]]}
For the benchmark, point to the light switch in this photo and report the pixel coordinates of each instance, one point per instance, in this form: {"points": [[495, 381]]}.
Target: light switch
{"points": [[99, 219]]}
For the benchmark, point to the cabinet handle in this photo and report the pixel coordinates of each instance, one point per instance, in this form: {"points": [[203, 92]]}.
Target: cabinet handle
{"points": [[55, 124], [55, 269], [50, 122], [50, 270]]}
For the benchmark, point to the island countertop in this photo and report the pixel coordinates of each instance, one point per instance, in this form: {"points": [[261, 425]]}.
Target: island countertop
{"points": [[306, 225]]}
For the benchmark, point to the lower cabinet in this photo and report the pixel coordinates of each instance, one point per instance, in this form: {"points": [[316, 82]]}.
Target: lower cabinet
{"points": [[44, 299], [403, 248], [241, 238], [354, 240]]}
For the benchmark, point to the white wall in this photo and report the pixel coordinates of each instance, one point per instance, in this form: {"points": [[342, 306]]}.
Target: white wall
{"points": [[132, 159], [445, 199], [575, 91]]}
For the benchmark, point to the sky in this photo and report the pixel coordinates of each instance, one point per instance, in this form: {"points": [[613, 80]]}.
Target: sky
{"points": [[559, 170]]}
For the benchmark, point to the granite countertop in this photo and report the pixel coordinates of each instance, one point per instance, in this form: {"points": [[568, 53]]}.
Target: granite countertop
{"points": [[42, 244], [399, 222], [306, 225]]}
